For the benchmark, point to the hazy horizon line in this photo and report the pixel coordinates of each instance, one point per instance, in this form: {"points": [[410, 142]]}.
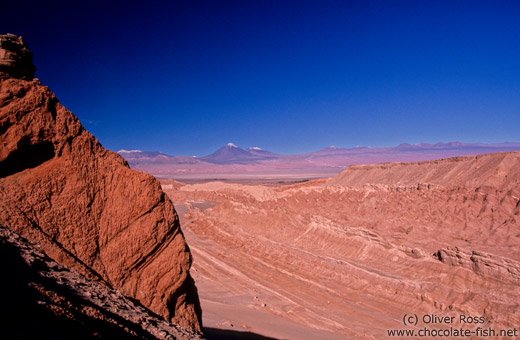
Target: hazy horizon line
{"points": [[322, 148]]}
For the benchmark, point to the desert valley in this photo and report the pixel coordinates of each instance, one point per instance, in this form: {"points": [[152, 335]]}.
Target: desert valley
{"points": [[245, 243], [347, 257]]}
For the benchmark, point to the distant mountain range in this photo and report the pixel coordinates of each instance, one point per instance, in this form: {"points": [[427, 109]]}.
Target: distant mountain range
{"points": [[233, 159], [228, 154]]}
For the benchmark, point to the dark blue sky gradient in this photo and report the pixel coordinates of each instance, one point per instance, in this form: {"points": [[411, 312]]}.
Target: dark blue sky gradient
{"points": [[186, 77]]}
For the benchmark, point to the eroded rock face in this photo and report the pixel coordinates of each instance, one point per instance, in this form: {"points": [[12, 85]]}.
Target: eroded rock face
{"points": [[86, 208], [15, 58]]}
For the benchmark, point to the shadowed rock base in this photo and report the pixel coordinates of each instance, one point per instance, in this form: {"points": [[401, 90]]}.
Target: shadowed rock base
{"points": [[44, 300]]}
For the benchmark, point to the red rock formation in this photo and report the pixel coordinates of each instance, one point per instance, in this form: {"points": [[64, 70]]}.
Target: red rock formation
{"points": [[15, 58], [83, 204]]}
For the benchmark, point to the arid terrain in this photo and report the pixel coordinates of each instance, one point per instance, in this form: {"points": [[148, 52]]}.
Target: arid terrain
{"points": [[348, 257], [94, 249]]}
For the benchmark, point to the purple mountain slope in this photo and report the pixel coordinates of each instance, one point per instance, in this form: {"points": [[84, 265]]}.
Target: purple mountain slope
{"points": [[231, 154]]}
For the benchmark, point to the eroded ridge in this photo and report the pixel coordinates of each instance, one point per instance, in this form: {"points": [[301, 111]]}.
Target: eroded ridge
{"points": [[87, 209]]}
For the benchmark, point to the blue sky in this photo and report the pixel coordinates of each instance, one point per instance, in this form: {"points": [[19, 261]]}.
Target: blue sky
{"points": [[186, 77]]}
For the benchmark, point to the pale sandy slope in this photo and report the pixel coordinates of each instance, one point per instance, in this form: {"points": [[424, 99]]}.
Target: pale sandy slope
{"points": [[348, 257]]}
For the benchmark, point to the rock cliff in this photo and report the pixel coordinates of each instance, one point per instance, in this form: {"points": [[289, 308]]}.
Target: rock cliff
{"points": [[87, 209]]}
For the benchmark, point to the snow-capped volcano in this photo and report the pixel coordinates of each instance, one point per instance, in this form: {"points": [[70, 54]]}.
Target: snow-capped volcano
{"points": [[230, 153]]}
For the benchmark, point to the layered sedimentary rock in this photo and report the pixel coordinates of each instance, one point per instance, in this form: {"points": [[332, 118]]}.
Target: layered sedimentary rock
{"points": [[350, 256], [42, 299], [83, 204]]}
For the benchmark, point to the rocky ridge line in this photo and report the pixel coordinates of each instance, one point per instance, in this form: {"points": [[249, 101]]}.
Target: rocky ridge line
{"points": [[88, 210]]}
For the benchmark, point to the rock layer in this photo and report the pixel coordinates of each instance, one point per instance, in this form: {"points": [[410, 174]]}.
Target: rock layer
{"points": [[87, 209]]}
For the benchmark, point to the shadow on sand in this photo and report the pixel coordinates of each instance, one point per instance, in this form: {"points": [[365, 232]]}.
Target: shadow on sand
{"points": [[225, 334]]}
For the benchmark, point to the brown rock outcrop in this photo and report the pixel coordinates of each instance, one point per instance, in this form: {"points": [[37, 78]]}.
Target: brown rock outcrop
{"points": [[490, 266], [87, 209], [15, 58]]}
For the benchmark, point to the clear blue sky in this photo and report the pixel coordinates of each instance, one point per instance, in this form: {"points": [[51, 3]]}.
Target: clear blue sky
{"points": [[186, 77]]}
